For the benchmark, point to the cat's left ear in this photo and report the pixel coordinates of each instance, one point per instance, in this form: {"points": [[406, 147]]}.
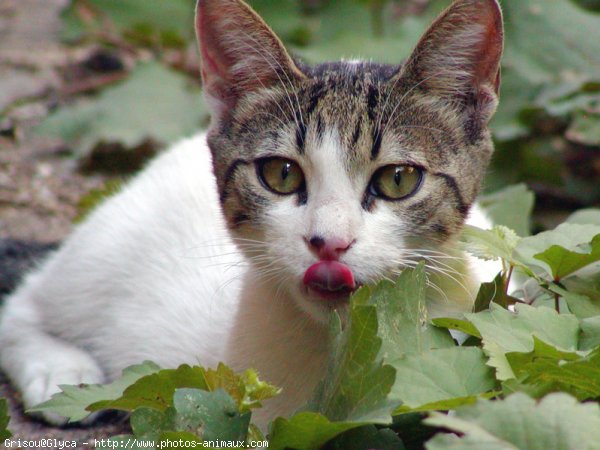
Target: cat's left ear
{"points": [[458, 57], [239, 52]]}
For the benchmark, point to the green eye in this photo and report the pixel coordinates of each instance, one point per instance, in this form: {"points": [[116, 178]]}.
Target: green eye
{"points": [[396, 182], [280, 175]]}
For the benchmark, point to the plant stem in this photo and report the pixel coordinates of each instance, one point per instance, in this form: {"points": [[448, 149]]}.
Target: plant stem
{"points": [[557, 302]]}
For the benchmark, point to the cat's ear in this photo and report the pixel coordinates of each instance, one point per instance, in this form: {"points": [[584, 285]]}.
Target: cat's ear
{"points": [[239, 53], [458, 58]]}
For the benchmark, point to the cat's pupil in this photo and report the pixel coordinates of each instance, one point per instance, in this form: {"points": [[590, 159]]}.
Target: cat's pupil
{"points": [[398, 175], [285, 171]]}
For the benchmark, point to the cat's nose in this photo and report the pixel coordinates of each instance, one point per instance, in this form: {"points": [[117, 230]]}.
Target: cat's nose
{"points": [[328, 249]]}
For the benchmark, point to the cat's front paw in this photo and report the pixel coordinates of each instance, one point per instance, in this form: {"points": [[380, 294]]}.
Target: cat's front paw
{"points": [[45, 383]]}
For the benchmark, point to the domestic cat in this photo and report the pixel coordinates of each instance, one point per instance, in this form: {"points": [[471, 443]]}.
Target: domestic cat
{"points": [[236, 246]]}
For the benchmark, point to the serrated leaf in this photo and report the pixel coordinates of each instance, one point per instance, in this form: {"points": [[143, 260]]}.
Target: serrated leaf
{"points": [[356, 389], [503, 331], [73, 401], [564, 262], [4, 419], [510, 207], [558, 422], [499, 242], [357, 383], [155, 390], [402, 317], [572, 237], [547, 369], [246, 389], [211, 416], [131, 112], [442, 378]]}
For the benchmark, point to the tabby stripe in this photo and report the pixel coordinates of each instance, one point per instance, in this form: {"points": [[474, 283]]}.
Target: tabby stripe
{"points": [[229, 176], [357, 130], [300, 136], [372, 100], [463, 207], [317, 91], [376, 143]]}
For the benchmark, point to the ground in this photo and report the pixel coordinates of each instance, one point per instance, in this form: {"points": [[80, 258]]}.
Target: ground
{"points": [[40, 186]]}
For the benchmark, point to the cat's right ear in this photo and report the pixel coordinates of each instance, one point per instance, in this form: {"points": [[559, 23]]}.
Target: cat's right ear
{"points": [[240, 54], [458, 57]]}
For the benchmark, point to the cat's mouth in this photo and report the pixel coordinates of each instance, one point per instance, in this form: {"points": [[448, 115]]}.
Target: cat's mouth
{"points": [[330, 281]]}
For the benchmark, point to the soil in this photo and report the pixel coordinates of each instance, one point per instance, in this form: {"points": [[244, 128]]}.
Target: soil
{"points": [[40, 186]]}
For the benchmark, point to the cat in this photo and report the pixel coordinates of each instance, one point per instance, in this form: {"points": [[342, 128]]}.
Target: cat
{"points": [[235, 246]]}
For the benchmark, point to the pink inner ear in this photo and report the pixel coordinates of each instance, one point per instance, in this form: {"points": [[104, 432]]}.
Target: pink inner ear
{"points": [[492, 46], [240, 54]]}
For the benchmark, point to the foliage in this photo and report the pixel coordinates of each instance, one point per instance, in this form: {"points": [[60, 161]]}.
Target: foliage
{"points": [[4, 419], [537, 356], [122, 113]]}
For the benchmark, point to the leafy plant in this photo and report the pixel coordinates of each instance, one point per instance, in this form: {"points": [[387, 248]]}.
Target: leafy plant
{"points": [[389, 362]]}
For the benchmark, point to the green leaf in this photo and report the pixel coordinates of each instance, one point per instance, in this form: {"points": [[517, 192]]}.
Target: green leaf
{"points": [[494, 291], [589, 216], [4, 419], [442, 379], [357, 383], [585, 128], [357, 386], [306, 431], [367, 438], [402, 317], [246, 389], [572, 237], [499, 242], [510, 207], [564, 262], [558, 422], [152, 103], [155, 390], [132, 18], [73, 401], [457, 324], [590, 333], [503, 331], [581, 306], [528, 25], [210, 415], [148, 424], [547, 369]]}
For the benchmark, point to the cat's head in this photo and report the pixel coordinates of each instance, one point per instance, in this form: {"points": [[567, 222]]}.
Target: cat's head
{"points": [[344, 173]]}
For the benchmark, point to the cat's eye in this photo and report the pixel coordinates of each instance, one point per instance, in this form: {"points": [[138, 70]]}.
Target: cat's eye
{"points": [[396, 182], [280, 175]]}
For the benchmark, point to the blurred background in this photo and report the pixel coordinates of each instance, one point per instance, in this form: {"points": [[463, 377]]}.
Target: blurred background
{"points": [[90, 89]]}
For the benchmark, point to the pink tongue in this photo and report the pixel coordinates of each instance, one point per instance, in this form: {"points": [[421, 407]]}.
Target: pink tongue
{"points": [[330, 276]]}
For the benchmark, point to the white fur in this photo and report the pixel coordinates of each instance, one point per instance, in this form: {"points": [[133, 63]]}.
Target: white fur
{"points": [[153, 274]]}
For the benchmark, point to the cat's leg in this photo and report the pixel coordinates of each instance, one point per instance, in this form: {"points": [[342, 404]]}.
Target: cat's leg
{"points": [[37, 362]]}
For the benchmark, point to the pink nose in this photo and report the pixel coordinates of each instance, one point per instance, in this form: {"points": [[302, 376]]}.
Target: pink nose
{"points": [[328, 249]]}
